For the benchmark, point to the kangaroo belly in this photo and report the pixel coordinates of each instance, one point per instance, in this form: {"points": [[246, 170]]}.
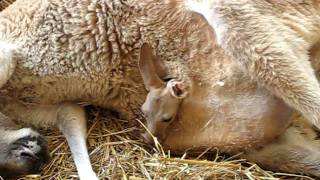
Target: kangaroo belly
{"points": [[242, 122]]}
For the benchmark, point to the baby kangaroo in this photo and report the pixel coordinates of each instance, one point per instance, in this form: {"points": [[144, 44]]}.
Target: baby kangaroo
{"points": [[163, 100], [233, 125]]}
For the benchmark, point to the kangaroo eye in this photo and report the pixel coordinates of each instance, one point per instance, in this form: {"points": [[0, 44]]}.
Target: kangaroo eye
{"points": [[166, 120]]}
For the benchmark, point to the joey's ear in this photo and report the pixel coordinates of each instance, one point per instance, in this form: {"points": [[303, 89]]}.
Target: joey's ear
{"points": [[178, 89], [147, 68], [160, 67]]}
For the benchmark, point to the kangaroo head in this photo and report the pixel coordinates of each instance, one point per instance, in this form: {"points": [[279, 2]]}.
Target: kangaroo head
{"points": [[163, 100]]}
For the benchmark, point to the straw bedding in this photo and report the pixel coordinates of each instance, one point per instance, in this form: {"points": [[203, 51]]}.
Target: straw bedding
{"points": [[117, 153]]}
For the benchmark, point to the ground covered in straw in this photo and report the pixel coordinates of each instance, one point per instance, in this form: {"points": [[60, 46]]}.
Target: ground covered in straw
{"points": [[117, 153]]}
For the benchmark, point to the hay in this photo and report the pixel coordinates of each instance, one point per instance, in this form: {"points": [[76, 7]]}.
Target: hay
{"points": [[117, 153]]}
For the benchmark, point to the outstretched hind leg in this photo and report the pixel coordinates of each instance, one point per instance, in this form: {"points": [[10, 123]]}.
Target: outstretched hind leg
{"points": [[22, 150], [70, 119], [293, 152]]}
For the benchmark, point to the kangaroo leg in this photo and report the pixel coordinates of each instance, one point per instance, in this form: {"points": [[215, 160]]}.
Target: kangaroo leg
{"points": [[22, 150], [273, 54], [293, 152], [70, 119], [72, 122]]}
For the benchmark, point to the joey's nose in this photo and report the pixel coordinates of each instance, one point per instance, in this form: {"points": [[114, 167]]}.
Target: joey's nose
{"points": [[147, 138]]}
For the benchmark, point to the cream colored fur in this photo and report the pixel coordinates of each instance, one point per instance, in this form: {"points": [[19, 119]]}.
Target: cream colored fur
{"points": [[87, 51], [271, 40]]}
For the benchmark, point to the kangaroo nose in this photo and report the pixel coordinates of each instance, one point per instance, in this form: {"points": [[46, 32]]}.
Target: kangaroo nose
{"points": [[147, 138]]}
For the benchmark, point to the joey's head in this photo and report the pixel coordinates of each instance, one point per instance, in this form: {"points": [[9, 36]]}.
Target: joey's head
{"points": [[163, 100]]}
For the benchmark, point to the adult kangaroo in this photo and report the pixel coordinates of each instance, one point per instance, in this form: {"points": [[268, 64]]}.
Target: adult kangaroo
{"points": [[55, 53]]}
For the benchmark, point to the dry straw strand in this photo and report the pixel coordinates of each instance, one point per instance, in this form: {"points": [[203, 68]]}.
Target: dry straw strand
{"points": [[116, 153]]}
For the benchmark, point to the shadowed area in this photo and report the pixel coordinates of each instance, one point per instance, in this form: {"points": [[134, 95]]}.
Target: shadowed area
{"points": [[118, 152]]}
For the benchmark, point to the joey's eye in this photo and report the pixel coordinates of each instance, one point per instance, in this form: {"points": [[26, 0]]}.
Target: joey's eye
{"points": [[166, 120], [167, 79]]}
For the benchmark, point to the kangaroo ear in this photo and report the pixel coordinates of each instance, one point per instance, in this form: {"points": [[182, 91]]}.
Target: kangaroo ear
{"points": [[178, 89], [147, 68]]}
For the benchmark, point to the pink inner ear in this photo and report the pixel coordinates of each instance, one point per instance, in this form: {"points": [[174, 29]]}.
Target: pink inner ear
{"points": [[179, 89]]}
